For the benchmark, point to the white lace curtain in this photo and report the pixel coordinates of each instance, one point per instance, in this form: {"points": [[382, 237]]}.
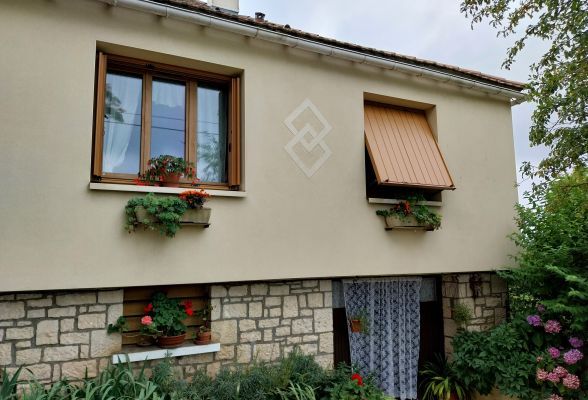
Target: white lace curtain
{"points": [[390, 350]]}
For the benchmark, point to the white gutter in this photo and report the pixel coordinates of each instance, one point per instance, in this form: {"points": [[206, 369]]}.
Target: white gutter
{"points": [[239, 28]]}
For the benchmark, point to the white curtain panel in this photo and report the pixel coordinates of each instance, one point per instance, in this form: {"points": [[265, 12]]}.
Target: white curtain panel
{"points": [[390, 350], [117, 134]]}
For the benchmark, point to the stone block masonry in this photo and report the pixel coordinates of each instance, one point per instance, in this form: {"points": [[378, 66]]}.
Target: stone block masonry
{"points": [[266, 321], [488, 309], [58, 335]]}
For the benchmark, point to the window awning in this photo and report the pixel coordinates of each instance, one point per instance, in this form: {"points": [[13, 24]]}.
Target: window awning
{"points": [[403, 150]]}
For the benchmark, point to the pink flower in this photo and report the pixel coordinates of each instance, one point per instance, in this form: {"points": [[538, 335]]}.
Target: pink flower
{"points": [[552, 326], [553, 352], [555, 397], [572, 356], [146, 320], [553, 377], [561, 371], [541, 374], [571, 381], [539, 359], [576, 343]]}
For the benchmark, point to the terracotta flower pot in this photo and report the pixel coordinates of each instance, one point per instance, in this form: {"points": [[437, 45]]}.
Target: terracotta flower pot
{"points": [[355, 326], [171, 180], [170, 342], [203, 337]]}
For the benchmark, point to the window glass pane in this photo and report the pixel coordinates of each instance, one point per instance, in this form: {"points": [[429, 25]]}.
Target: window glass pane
{"points": [[121, 152], [212, 135], [168, 118]]}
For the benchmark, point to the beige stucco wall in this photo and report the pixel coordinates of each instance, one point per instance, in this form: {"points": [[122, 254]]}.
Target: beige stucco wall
{"points": [[56, 233]]}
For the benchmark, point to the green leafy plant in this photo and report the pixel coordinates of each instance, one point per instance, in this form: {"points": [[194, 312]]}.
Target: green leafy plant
{"points": [[356, 387], [441, 381], [461, 314], [412, 208], [165, 316], [204, 315], [297, 391], [121, 325], [194, 198], [162, 214], [159, 168], [363, 319]]}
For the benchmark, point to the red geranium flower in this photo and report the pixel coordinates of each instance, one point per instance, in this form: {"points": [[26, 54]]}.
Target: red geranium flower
{"points": [[189, 311], [148, 308], [357, 378]]}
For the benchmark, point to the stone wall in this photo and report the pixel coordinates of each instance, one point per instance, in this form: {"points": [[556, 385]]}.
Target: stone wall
{"points": [[57, 335], [488, 309], [266, 321]]}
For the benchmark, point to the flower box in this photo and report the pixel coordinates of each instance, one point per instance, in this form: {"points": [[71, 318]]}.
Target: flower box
{"points": [[192, 216], [406, 222]]}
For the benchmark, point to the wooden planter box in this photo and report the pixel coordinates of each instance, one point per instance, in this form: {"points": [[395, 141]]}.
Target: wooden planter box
{"points": [[406, 223], [192, 216]]}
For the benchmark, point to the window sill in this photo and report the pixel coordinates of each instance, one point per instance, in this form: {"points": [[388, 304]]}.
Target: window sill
{"points": [[155, 353], [372, 200], [157, 189]]}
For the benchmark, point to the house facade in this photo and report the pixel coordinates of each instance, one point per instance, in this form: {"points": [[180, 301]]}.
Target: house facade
{"points": [[307, 138]]}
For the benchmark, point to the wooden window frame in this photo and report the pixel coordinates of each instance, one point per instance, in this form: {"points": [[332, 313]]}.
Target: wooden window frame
{"points": [[148, 71]]}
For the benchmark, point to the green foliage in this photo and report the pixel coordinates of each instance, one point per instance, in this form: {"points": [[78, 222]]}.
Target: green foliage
{"points": [[163, 214], [168, 316], [121, 325], [461, 314], [553, 251], [441, 381], [297, 391], [501, 357], [165, 165], [413, 207], [8, 384], [558, 81], [364, 321], [296, 377]]}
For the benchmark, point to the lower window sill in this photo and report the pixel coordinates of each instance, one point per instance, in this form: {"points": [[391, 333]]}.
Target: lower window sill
{"points": [[158, 189], [139, 354]]}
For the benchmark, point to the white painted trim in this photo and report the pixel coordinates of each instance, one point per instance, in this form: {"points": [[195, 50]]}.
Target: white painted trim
{"points": [[373, 200], [157, 189], [202, 19], [157, 354]]}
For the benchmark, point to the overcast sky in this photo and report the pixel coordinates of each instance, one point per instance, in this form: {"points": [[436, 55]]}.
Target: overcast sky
{"points": [[430, 29]]}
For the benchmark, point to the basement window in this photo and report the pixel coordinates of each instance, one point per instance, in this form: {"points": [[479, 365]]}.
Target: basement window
{"points": [[403, 158]]}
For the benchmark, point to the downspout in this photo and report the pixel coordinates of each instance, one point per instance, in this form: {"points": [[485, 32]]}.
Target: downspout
{"points": [[311, 46]]}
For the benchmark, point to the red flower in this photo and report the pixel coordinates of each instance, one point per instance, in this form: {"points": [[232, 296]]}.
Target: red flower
{"points": [[189, 311], [148, 308], [357, 378]]}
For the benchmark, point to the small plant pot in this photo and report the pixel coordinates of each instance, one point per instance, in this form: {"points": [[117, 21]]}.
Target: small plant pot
{"points": [[203, 338], [170, 342], [355, 326], [196, 216], [409, 222], [171, 180]]}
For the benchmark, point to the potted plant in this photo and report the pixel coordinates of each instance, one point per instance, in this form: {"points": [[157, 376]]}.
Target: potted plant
{"points": [[195, 213], [441, 381], [167, 171], [163, 214], [409, 214], [359, 323], [204, 334], [164, 319]]}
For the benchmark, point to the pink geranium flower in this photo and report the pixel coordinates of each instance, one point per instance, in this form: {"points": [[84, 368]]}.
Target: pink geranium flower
{"points": [[552, 326], [146, 320], [571, 381]]}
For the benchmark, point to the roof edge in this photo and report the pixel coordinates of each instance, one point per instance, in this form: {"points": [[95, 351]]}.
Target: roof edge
{"points": [[207, 16]]}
